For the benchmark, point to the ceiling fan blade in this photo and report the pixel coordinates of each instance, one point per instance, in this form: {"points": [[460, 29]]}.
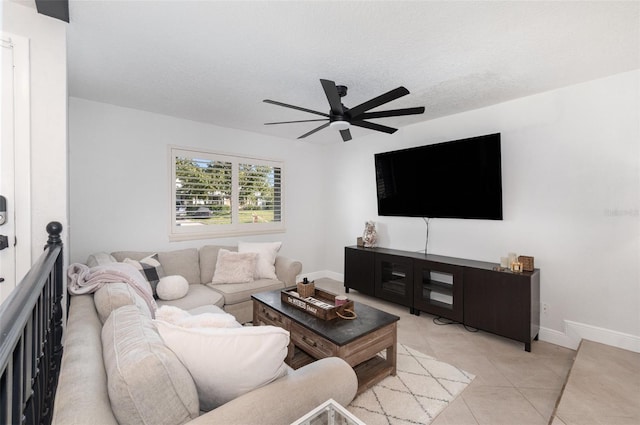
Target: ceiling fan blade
{"points": [[314, 130], [380, 100], [346, 135], [333, 97], [291, 122], [374, 126], [273, 102], [390, 113]]}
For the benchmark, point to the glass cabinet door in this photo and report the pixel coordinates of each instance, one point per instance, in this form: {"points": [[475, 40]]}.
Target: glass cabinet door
{"points": [[394, 279], [438, 289]]}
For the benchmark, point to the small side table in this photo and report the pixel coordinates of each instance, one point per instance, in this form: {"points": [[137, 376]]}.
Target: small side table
{"points": [[329, 413]]}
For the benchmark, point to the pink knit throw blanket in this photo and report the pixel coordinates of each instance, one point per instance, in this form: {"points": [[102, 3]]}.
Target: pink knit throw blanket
{"points": [[85, 280]]}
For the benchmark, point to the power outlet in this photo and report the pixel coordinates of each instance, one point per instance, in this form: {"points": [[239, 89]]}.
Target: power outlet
{"points": [[545, 308]]}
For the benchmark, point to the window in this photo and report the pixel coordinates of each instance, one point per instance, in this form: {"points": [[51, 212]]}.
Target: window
{"points": [[218, 195]]}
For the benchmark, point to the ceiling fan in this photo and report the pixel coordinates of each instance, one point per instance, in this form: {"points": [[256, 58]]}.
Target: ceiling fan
{"points": [[341, 118]]}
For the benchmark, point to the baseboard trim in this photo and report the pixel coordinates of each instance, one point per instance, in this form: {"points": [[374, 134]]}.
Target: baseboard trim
{"points": [[574, 332], [558, 338]]}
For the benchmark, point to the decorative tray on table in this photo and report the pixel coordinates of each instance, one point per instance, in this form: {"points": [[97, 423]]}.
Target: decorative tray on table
{"points": [[321, 304]]}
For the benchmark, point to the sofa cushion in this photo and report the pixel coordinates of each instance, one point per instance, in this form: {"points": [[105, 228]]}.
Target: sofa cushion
{"points": [[238, 292], [186, 319], [150, 268], [115, 295], [197, 296], [147, 383], [234, 267], [172, 287], [183, 262], [208, 258], [226, 363], [267, 253]]}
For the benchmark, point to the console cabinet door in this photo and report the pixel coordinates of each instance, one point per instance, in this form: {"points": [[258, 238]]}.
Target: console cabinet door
{"points": [[503, 303], [394, 279], [359, 270], [438, 289]]}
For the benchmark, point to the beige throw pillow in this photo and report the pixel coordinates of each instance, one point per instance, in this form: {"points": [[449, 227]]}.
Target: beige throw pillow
{"points": [[234, 267], [267, 253], [228, 362]]}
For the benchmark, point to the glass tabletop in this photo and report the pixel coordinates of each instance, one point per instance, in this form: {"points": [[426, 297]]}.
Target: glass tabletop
{"points": [[329, 413]]}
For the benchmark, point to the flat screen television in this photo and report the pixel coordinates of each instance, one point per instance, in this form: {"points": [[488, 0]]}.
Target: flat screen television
{"points": [[456, 179]]}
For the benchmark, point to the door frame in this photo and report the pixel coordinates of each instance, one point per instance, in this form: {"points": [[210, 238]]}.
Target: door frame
{"points": [[22, 151]]}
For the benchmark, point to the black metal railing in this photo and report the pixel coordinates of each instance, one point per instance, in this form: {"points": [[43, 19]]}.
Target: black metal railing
{"points": [[31, 339]]}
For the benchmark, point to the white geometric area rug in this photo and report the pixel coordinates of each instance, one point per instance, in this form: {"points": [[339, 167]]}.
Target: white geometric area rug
{"points": [[421, 389]]}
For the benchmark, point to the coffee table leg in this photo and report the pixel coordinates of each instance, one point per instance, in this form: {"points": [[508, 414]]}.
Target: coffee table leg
{"points": [[392, 352], [290, 352]]}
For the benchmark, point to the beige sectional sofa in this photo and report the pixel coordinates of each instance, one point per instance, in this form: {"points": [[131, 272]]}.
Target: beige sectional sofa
{"points": [[116, 368], [198, 267]]}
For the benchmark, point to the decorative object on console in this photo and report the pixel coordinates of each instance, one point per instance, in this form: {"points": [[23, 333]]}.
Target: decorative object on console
{"points": [[359, 241], [504, 262], [527, 263], [370, 236], [513, 257], [516, 267]]}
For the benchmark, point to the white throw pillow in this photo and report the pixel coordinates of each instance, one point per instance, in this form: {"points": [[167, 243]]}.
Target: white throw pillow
{"points": [[267, 253], [184, 319], [234, 267], [172, 287], [226, 363]]}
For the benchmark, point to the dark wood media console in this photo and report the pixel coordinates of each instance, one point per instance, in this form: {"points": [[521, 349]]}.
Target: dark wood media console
{"points": [[466, 291]]}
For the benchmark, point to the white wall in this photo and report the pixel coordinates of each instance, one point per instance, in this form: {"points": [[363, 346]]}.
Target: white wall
{"points": [[48, 56], [571, 188], [119, 181]]}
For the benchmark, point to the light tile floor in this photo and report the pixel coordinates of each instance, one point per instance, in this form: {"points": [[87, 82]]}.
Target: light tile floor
{"points": [[603, 388], [512, 386]]}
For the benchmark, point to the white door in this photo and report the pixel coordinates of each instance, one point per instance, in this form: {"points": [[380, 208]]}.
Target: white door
{"points": [[7, 187], [15, 259]]}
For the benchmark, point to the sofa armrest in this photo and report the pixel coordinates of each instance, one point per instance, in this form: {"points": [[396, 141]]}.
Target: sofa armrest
{"points": [[290, 397], [287, 270], [81, 395]]}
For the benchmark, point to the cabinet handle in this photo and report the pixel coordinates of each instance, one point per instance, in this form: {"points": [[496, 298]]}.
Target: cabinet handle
{"points": [[309, 341]]}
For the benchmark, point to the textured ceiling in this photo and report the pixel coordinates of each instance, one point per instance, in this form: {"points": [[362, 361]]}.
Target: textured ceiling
{"points": [[215, 61]]}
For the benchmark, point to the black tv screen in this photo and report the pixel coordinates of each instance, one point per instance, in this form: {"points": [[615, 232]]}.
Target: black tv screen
{"points": [[456, 179]]}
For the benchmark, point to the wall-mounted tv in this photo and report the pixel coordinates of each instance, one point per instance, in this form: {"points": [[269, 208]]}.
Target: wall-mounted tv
{"points": [[456, 179]]}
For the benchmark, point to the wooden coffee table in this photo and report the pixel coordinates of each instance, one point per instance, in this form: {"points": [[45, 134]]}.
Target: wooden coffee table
{"points": [[357, 341]]}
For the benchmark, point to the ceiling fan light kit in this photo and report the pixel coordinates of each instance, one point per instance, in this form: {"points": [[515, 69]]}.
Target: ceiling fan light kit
{"points": [[340, 124], [342, 118]]}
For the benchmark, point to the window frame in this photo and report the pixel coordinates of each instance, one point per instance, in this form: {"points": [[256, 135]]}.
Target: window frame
{"points": [[181, 233]]}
